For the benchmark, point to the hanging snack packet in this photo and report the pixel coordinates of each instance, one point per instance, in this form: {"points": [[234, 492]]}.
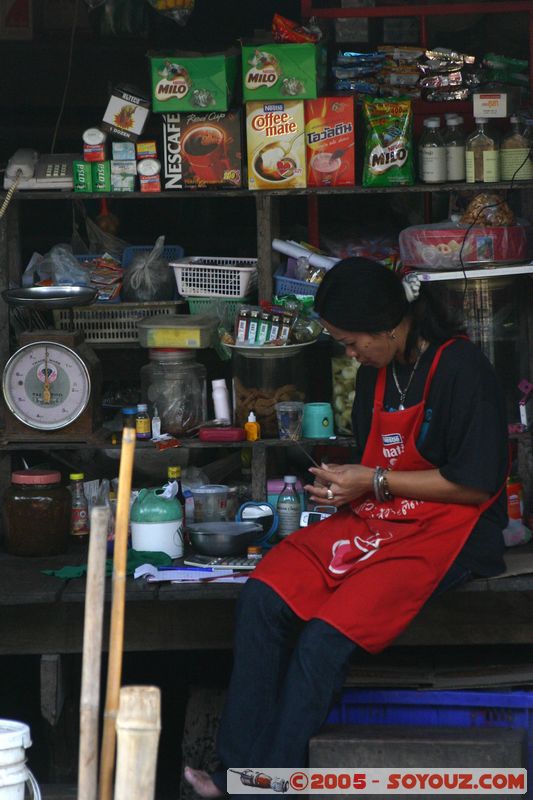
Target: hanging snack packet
{"points": [[389, 143]]}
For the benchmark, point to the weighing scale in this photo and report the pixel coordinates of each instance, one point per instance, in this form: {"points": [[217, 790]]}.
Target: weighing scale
{"points": [[51, 385]]}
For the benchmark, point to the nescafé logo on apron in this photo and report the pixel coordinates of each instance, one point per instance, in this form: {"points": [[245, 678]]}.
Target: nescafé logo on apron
{"points": [[393, 445]]}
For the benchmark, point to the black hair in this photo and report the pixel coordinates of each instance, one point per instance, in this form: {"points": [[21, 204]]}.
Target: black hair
{"points": [[358, 294]]}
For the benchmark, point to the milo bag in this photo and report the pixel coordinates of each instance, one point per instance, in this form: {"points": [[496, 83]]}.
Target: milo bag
{"points": [[389, 143]]}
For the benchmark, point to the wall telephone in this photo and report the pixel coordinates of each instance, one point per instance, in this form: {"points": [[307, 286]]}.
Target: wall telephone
{"points": [[39, 172]]}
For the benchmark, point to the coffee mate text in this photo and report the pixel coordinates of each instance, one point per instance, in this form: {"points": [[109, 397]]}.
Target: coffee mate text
{"points": [[271, 124]]}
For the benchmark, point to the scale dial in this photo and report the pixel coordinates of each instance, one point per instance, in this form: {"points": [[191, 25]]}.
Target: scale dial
{"points": [[46, 385]]}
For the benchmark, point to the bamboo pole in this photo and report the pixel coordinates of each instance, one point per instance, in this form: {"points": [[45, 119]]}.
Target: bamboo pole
{"points": [[116, 634], [92, 651], [138, 728]]}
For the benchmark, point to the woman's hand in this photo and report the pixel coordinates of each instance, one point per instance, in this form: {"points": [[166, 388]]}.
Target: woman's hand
{"points": [[346, 482]]}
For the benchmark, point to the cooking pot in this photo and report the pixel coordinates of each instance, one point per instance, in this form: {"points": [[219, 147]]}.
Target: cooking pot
{"points": [[223, 538]]}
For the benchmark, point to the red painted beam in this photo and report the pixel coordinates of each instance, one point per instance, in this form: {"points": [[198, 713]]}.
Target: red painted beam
{"points": [[415, 10]]}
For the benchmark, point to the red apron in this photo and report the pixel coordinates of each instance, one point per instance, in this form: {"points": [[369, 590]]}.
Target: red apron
{"points": [[369, 568]]}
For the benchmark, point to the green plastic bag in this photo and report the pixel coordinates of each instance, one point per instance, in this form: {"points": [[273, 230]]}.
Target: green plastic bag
{"points": [[389, 142]]}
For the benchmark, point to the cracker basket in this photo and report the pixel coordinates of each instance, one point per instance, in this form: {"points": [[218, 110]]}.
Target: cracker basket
{"points": [[214, 276]]}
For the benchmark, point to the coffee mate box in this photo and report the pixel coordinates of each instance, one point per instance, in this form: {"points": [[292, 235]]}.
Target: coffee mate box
{"points": [[330, 141], [279, 71], [276, 146], [184, 81]]}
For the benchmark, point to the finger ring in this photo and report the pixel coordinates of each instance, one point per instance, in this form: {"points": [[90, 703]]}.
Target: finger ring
{"points": [[329, 494]]}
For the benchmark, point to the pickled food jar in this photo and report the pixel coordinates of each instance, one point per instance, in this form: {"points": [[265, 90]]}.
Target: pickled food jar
{"points": [[175, 383], [36, 513]]}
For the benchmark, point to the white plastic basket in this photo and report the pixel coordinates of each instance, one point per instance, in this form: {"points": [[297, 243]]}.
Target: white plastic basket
{"points": [[113, 324], [214, 276]]}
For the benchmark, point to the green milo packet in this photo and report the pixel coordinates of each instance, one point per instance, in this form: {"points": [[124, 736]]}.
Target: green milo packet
{"points": [[389, 142]]}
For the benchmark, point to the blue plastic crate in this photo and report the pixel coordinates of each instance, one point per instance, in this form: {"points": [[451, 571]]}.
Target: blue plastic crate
{"points": [[285, 285], [481, 709], [171, 252]]}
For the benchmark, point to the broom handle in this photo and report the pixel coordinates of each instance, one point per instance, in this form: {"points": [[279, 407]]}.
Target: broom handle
{"points": [[116, 635], [92, 651]]}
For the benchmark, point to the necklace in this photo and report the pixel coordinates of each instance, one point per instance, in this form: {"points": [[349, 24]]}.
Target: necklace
{"points": [[403, 392]]}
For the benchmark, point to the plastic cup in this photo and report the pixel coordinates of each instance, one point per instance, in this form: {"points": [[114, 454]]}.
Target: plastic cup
{"points": [[290, 415], [210, 502]]}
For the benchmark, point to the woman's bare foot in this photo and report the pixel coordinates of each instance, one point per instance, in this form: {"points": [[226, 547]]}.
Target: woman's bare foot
{"points": [[201, 782]]}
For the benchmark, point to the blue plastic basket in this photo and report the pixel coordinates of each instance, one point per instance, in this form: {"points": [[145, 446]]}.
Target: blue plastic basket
{"points": [[285, 285], [170, 252], [482, 709]]}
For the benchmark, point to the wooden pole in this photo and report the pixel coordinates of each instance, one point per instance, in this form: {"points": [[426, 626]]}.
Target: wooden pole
{"points": [[116, 635], [92, 650], [138, 728]]}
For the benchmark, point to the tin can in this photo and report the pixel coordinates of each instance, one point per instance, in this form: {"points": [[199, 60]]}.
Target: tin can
{"points": [[94, 152], [94, 136], [148, 167]]}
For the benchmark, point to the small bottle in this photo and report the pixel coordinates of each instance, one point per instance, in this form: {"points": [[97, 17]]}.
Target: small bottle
{"points": [[515, 492], [454, 140], [254, 553], [174, 474], [156, 424], [289, 507], [482, 155], [432, 153], [252, 429], [79, 516], [221, 400], [128, 416], [143, 429], [514, 154]]}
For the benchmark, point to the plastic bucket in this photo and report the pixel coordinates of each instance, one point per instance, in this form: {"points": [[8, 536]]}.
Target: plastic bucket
{"points": [[14, 774], [161, 537]]}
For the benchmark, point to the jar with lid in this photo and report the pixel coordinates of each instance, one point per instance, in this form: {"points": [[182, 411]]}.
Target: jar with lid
{"points": [[482, 155], [36, 513], [454, 140], [343, 374], [176, 383], [514, 154], [432, 153], [262, 378]]}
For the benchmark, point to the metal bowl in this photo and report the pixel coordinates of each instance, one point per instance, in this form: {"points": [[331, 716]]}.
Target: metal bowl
{"points": [[50, 297], [223, 538]]}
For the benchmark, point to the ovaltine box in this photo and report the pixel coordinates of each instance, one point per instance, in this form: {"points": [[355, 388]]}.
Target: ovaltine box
{"points": [[276, 146], [279, 71], [330, 140], [183, 81], [202, 150]]}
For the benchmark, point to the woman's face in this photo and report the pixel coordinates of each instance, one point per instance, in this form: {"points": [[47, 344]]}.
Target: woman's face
{"points": [[370, 349]]}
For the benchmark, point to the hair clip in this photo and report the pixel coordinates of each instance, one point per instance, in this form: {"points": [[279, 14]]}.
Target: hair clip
{"points": [[411, 286]]}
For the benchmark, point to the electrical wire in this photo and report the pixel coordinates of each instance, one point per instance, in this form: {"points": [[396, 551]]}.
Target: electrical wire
{"points": [[479, 213], [10, 192], [69, 72]]}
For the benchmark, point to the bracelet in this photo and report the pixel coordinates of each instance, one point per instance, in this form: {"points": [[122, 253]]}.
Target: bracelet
{"points": [[380, 486]]}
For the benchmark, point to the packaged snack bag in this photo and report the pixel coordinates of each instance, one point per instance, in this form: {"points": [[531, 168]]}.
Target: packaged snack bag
{"points": [[389, 143]]}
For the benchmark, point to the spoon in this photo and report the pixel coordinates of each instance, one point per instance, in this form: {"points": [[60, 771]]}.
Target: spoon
{"points": [[340, 152]]}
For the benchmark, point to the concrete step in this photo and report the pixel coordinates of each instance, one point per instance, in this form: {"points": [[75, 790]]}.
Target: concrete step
{"points": [[366, 747]]}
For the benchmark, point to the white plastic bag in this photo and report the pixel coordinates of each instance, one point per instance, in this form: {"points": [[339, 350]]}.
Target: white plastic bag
{"points": [[59, 265], [149, 278]]}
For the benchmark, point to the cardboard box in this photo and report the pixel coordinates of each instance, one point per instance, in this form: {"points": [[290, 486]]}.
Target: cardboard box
{"points": [[279, 71], [101, 176], [192, 81], [330, 141], [276, 145], [202, 150], [126, 114]]}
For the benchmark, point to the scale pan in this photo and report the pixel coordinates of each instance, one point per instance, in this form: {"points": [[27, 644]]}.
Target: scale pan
{"points": [[50, 297]]}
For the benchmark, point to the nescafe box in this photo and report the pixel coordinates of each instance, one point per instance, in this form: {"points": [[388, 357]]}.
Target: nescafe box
{"points": [[202, 150], [330, 141]]}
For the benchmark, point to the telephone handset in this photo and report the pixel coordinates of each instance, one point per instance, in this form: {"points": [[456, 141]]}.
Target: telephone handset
{"points": [[39, 172]]}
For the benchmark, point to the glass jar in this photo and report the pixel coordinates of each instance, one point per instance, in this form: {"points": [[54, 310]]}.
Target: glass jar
{"points": [[261, 380], [514, 154], [343, 374], [176, 383], [482, 155], [432, 153], [36, 513]]}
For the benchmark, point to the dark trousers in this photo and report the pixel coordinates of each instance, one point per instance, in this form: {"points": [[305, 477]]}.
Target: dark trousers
{"points": [[279, 694]]}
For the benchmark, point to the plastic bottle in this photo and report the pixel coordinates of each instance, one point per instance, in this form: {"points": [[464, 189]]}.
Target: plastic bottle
{"points": [[454, 140], [252, 429], [432, 153], [289, 507], [221, 400], [156, 424], [174, 474], [514, 154], [143, 429], [79, 517], [515, 492], [482, 155]]}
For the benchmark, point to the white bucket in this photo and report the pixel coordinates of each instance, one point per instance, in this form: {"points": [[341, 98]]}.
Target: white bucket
{"points": [[163, 537], [14, 774]]}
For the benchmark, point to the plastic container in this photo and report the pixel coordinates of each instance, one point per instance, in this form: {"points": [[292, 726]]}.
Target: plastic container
{"points": [[318, 421], [210, 502], [284, 284], [157, 523], [225, 308], [213, 276], [221, 399], [101, 324], [36, 513], [180, 330], [289, 416], [483, 709], [14, 774], [262, 379], [175, 383]]}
